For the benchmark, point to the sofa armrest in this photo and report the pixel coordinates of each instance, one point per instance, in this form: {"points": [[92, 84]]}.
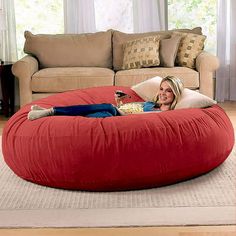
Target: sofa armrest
{"points": [[206, 65], [23, 70]]}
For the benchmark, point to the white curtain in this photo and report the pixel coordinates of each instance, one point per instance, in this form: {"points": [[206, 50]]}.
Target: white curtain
{"points": [[8, 32], [226, 51], [79, 16], [149, 15]]}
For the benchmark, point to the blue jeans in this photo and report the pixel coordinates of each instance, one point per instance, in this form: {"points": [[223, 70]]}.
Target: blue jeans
{"points": [[90, 110]]}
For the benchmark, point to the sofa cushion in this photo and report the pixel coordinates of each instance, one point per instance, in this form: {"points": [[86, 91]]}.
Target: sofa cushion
{"points": [[189, 77], [142, 52], [168, 50], [67, 50], [119, 38], [70, 78], [191, 45]]}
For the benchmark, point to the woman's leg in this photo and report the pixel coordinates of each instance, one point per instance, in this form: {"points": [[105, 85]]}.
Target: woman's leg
{"points": [[76, 110], [100, 114], [37, 107], [36, 114], [84, 110]]}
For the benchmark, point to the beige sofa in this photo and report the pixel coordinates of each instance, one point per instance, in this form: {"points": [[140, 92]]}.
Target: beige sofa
{"points": [[58, 63]]}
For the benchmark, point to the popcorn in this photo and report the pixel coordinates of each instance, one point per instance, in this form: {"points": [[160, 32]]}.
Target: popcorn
{"points": [[131, 108]]}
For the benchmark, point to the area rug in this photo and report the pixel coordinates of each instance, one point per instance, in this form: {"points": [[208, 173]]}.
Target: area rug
{"points": [[206, 200]]}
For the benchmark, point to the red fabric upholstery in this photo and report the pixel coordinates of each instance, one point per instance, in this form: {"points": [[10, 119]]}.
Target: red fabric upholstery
{"points": [[115, 153]]}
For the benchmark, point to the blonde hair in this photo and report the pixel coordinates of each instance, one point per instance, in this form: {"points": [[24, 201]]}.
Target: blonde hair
{"points": [[176, 86]]}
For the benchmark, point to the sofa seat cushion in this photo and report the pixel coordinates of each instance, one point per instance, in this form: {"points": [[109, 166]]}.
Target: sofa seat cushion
{"points": [[189, 77], [70, 78]]}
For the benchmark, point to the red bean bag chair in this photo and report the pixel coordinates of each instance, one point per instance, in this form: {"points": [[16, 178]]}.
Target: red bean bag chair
{"points": [[115, 153]]}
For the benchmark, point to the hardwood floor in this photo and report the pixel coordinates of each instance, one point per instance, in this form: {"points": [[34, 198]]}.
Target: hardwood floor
{"points": [[137, 231], [3, 121], [230, 108]]}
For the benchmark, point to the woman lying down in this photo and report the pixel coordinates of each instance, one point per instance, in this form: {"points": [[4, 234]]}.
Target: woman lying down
{"points": [[170, 90]]}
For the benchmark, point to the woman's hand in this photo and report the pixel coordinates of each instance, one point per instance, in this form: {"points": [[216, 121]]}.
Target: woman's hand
{"points": [[120, 96], [121, 112]]}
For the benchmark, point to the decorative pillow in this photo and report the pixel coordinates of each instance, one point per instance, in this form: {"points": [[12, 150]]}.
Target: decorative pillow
{"points": [[168, 50], [120, 38], [191, 45], [193, 99], [142, 52], [148, 89]]}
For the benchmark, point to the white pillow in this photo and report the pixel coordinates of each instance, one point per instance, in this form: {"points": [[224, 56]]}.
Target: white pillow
{"points": [[148, 89], [193, 99]]}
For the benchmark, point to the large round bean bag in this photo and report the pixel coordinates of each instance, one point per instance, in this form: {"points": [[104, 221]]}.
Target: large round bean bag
{"points": [[115, 153]]}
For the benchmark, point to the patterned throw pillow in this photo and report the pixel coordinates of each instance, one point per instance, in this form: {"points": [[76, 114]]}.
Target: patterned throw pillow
{"points": [[191, 45], [142, 52]]}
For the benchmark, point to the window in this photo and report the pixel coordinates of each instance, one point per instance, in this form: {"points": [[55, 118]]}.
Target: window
{"points": [[190, 14], [38, 17], [47, 17], [114, 14]]}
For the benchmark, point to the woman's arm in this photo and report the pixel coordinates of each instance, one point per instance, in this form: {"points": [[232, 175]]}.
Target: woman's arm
{"points": [[121, 112], [134, 113]]}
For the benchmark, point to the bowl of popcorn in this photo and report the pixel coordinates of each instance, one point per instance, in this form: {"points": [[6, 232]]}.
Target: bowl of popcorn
{"points": [[131, 108]]}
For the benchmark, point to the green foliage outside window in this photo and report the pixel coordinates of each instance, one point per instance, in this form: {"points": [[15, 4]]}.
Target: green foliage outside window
{"points": [[194, 13], [38, 17]]}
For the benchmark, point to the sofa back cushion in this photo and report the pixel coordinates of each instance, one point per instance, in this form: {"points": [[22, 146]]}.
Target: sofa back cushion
{"points": [[120, 38], [168, 50], [70, 50]]}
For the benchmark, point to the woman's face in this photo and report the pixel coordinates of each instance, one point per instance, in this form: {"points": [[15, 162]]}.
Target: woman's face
{"points": [[166, 95]]}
